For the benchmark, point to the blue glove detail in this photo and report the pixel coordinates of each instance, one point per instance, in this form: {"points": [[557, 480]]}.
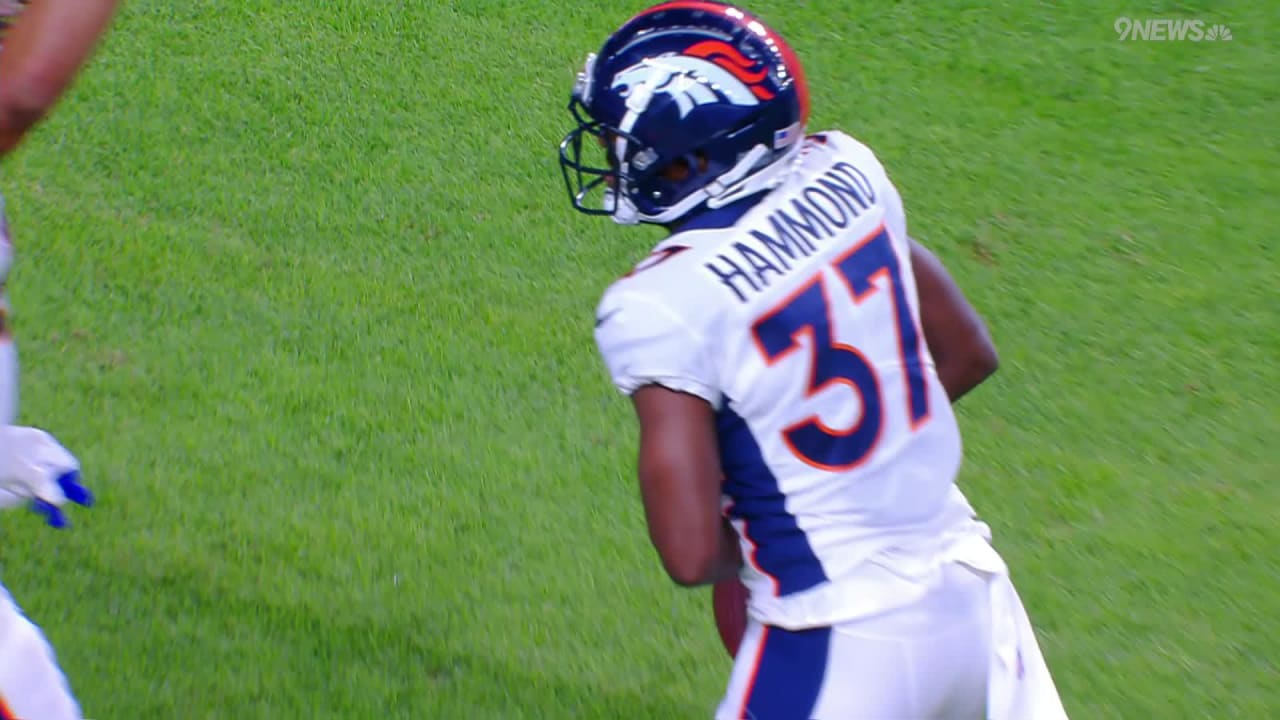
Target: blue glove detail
{"points": [[70, 483], [75, 492]]}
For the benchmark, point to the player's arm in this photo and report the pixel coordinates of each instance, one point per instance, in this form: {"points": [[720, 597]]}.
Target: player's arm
{"points": [[680, 479], [43, 51], [957, 336], [658, 358]]}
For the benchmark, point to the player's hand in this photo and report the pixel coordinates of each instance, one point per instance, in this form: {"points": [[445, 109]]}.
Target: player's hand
{"points": [[36, 468]]}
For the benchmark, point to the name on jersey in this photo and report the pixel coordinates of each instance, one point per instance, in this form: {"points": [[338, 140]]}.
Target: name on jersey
{"points": [[794, 231]]}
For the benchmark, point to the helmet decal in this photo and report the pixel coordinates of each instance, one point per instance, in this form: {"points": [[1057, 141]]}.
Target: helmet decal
{"points": [[689, 81], [789, 59], [730, 58]]}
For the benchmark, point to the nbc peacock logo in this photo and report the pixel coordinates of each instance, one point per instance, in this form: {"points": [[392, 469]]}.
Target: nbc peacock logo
{"points": [[1218, 32]]}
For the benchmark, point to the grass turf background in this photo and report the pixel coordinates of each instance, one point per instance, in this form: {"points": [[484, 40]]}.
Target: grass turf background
{"points": [[299, 285]]}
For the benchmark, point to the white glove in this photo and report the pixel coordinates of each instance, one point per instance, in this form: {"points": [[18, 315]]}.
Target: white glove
{"points": [[35, 467]]}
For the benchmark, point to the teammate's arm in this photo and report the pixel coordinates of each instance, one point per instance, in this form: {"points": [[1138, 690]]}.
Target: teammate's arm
{"points": [[680, 479], [957, 336], [43, 51]]}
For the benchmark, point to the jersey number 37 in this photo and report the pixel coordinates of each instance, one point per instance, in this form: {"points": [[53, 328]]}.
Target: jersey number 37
{"points": [[868, 266]]}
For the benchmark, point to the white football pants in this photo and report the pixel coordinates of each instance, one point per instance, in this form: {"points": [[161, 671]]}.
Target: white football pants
{"points": [[965, 651], [32, 687]]}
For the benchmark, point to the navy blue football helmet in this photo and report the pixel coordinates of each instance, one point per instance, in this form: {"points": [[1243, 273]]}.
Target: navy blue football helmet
{"points": [[690, 104]]}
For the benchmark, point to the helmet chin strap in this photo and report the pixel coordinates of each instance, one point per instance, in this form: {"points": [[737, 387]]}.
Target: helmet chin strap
{"points": [[624, 212], [741, 181]]}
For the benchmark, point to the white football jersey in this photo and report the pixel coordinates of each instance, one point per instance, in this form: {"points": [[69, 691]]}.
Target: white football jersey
{"points": [[797, 319]]}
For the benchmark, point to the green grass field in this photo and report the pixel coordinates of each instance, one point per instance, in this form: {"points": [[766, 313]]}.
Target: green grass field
{"points": [[299, 284]]}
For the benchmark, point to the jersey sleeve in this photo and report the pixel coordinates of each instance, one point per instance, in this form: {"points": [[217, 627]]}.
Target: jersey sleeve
{"points": [[644, 342]]}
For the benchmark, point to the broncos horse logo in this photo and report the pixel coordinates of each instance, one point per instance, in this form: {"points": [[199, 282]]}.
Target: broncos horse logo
{"points": [[707, 72]]}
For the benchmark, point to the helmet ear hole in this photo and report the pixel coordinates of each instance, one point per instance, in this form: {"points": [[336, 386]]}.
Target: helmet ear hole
{"points": [[680, 169], [677, 170]]}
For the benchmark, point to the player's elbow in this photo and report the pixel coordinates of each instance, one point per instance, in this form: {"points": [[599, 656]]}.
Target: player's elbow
{"points": [[967, 366], [25, 100], [689, 561], [689, 570], [984, 360], [980, 363]]}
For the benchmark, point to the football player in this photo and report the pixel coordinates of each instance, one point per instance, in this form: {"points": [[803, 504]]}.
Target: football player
{"points": [[792, 356], [43, 47]]}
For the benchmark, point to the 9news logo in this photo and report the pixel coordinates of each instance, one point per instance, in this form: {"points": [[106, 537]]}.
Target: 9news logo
{"points": [[1170, 30]]}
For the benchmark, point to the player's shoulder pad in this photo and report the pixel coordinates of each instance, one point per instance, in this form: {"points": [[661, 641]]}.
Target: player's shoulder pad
{"points": [[838, 139], [865, 159], [656, 278], [859, 152], [644, 340], [629, 307]]}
